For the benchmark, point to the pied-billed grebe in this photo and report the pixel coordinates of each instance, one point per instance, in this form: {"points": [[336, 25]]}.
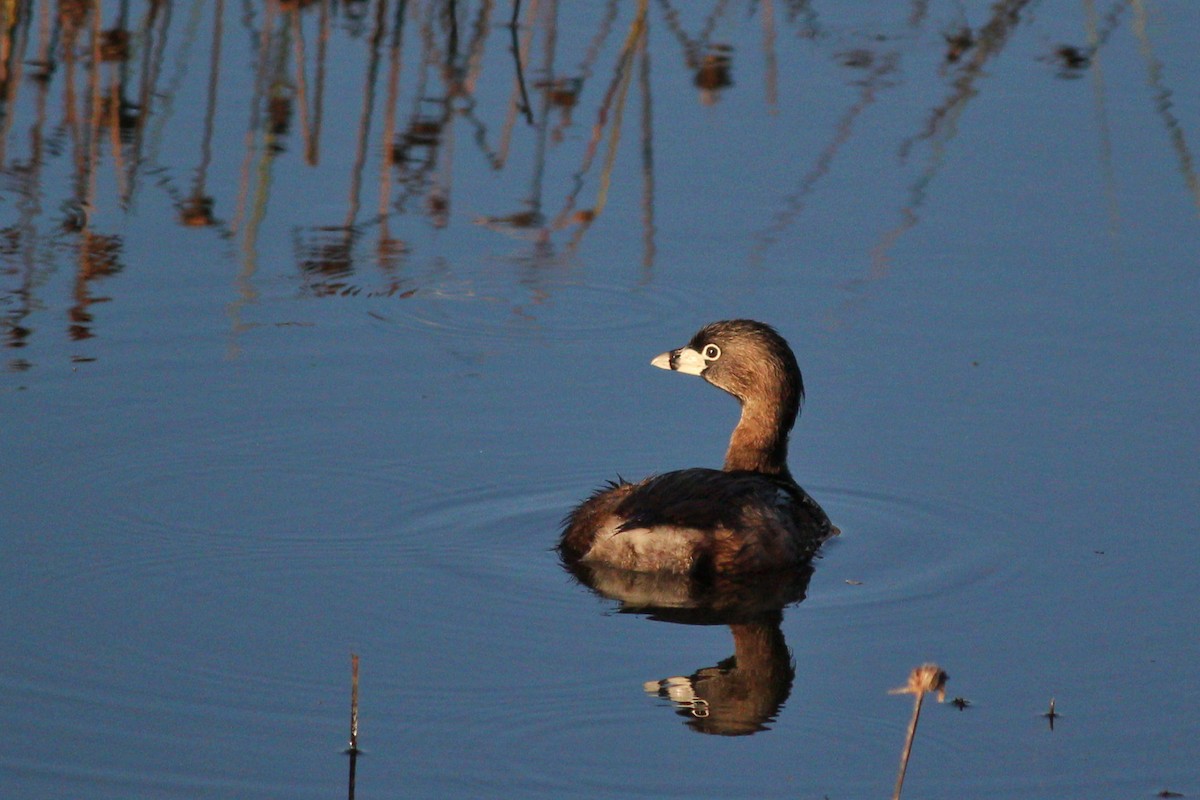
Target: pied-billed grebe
{"points": [[750, 516]]}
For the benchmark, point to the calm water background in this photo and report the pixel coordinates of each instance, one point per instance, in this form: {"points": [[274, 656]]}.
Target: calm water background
{"points": [[312, 334]]}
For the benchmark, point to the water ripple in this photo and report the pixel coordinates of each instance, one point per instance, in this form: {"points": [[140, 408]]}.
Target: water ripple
{"points": [[896, 549], [495, 310]]}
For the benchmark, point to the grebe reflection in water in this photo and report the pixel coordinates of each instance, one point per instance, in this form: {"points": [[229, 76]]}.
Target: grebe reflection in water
{"points": [[741, 694]]}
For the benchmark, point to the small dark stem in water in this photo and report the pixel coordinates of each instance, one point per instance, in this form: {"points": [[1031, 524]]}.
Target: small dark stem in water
{"points": [[1051, 714], [353, 751], [353, 703]]}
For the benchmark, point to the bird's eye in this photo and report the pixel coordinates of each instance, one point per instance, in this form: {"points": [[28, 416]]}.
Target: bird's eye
{"points": [[712, 352]]}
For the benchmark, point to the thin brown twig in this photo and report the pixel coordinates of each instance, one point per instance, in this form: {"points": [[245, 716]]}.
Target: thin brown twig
{"points": [[922, 680]]}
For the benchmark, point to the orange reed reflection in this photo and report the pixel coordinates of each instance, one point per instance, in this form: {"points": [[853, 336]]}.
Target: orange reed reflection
{"points": [[108, 107]]}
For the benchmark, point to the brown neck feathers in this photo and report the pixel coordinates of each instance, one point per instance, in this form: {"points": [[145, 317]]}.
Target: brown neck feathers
{"points": [[759, 442]]}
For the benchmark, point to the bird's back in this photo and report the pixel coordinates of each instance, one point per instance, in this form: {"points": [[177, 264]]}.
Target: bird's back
{"points": [[697, 521]]}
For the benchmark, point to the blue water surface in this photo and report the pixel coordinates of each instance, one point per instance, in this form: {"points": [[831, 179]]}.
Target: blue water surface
{"points": [[318, 316]]}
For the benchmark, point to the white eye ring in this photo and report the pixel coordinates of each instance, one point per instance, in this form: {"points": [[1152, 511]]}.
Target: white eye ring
{"points": [[711, 352]]}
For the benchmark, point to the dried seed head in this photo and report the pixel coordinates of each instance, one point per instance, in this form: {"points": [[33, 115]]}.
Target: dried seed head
{"points": [[925, 679]]}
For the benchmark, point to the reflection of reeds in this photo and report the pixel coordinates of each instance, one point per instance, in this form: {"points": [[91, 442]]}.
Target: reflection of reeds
{"points": [[395, 50], [879, 68], [614, 102], [519, 100], [990, 41], [1163, 102], [523, 105], [648, 248], [941, 126], [923, 680], [634, 42], [197, 211], [920, 8], [608, 126], [12, 36], [121, 73], [1097, 72], [21, 239], [695, 48], [770, 64], [367, 113]]}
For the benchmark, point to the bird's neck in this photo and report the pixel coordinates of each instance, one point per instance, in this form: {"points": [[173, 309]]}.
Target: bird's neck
{"points": [[759, 442], [759, 647]]}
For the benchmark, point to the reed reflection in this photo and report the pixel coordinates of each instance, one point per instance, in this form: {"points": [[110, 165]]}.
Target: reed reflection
{"points": [[739, 695], [402, 117], [102, 104]]}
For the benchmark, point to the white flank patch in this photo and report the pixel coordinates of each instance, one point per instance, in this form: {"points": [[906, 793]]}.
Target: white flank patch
{"points": [[659, 549]]}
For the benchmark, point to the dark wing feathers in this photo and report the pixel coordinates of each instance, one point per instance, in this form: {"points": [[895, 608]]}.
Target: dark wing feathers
{"points": [[705, 499], [755, 504]]}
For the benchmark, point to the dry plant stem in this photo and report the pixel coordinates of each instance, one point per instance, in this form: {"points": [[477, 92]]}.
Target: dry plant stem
{"points": [[353, 703], [912, 732], [353, 751], [922, 680]]}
